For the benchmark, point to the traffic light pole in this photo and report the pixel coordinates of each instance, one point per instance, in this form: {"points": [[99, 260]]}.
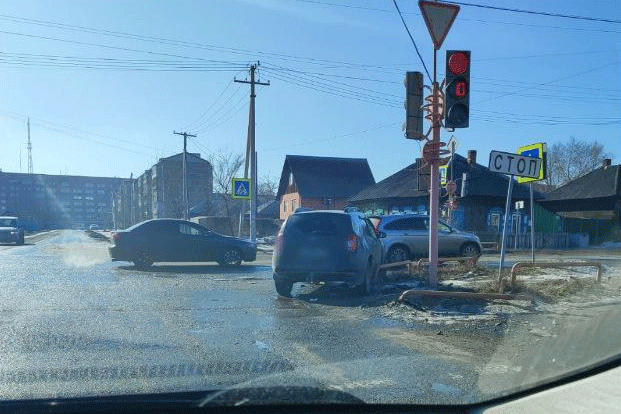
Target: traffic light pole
{"points": [[434, 192]]}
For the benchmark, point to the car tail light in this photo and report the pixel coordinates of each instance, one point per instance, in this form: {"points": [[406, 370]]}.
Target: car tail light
{"points": [[352, 243], [279, 239]]}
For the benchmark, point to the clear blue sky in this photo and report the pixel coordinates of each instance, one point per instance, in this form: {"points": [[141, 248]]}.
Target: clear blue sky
{"points": [[105, 83]]}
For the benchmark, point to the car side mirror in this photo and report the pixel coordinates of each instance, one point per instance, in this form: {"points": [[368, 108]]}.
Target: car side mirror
{"points": [[381, 235]]}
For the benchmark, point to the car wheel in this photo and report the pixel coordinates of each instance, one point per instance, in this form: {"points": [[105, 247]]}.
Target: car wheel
{"points": [[20, 242], [398, 253], [371, 281], [231, 257], [368, 285], [470, 250], [143, 259], [283, 287]]}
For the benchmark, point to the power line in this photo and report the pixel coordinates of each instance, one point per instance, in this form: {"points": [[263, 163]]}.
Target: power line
{"points": [[330, 89], [218, 114], [233, 110], [165, 41], [78, 134], [412, 39], [236, 64], [549, 14], [540, 13], [333, 137], [200, 117], [552, 81], [337, 83]]}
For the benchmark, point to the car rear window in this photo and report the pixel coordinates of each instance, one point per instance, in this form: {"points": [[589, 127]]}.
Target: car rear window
{"points": [[324, 223]]}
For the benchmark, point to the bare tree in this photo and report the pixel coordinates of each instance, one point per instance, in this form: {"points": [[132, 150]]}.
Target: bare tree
{"points": [[267, 186], [226, 166], [572, 159]]}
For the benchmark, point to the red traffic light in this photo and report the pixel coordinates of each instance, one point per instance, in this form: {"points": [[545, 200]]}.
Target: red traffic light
{"points": [[457, 81], [459, 88], [458, 63]]}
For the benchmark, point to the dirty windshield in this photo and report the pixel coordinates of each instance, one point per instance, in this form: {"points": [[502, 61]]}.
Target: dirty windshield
{"points": [[396, 201]]}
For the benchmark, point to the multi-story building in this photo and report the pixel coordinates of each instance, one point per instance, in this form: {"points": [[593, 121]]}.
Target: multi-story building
{"points": [[57, 201], [158, 193]]}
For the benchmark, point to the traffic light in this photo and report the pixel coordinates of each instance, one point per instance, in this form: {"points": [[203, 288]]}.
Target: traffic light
{"points": [[457, 109], [413, 105]]}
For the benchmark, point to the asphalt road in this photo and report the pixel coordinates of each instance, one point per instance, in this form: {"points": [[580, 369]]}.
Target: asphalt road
{"points": [[74, 323]]}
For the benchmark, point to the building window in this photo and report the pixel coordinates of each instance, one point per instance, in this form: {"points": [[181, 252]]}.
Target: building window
{"points": [[284, 206]]}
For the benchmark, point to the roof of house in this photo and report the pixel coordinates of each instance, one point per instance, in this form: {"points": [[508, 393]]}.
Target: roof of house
{"points": [[401, 184], [599, 183], [270, 209], [481, 182], [325, 176], [192, 156]]}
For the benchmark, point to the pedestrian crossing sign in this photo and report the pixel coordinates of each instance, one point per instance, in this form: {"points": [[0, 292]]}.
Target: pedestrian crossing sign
{"points": [[241, 188]]}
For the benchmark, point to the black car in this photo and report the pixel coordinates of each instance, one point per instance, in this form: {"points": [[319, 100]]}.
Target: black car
{"points": [[326, 246], [171, 240]]}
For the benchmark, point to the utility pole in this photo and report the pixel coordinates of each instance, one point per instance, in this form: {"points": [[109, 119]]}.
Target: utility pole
{"points": [[30, 171], [186, 208], [250, 150]]}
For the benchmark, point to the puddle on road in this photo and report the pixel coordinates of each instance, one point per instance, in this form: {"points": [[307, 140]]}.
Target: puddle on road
{"points": [[79, 254], [84, 255]]}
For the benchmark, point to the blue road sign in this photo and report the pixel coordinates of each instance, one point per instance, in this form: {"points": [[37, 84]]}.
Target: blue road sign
{"points": [[241, 188]]}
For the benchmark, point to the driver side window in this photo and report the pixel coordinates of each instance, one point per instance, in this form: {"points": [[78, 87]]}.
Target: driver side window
{"points": [[443, 227], [185, 229]]}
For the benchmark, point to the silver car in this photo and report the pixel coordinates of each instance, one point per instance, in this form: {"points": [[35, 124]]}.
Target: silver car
{"points": [[407, 238], [11, 231]]}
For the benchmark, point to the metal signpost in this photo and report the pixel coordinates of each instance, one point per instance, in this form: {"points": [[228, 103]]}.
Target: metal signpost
{"points": [[537, 150], [439, 18], [513, 165]]}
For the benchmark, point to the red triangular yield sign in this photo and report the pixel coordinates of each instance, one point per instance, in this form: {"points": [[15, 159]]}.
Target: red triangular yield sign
{"points": [[439, 18]]}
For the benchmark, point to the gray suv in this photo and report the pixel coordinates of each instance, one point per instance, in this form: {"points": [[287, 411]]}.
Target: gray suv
{"points": [[332, 247], [407, 238]]}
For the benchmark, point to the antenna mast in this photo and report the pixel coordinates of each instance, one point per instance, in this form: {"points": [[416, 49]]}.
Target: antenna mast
{"points": [[29, 150]]}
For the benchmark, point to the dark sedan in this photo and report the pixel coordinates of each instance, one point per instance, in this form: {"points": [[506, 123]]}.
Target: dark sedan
{"points": [[170, 240]]}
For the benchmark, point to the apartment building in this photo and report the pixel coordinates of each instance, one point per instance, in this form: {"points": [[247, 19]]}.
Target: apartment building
{"points": [[158, 192], [57, 201]]}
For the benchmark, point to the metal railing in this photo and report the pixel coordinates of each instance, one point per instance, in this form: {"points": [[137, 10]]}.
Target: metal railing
{"points": [[548, 265]]}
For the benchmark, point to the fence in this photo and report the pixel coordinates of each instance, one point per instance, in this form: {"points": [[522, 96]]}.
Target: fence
{"points": [[547, 240], [542, 240]]}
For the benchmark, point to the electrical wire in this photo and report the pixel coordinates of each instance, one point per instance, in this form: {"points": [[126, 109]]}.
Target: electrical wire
{"points": [[551, 81], [234, 110], [413, 42], [336, 83], [329, 88], [548, 14], [61, 128], [540, 13], [201, 116], [375, 128], [222, 110]]}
